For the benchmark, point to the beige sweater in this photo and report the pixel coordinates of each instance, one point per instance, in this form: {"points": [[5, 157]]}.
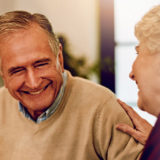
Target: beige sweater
{"points": [[82, 128]]}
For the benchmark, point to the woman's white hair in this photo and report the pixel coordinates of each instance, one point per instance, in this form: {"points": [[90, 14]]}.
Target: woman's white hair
{"points": [[147, 30]]}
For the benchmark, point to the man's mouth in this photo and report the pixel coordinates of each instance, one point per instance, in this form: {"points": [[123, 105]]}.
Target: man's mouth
{"points": [[36, 92]]}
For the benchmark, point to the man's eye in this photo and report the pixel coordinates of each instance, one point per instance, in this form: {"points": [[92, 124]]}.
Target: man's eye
{"points": [[41, 64], [16, 71]]}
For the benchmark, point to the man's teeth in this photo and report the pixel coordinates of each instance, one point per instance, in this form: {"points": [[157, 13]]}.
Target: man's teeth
{"points": [[37, 92]]}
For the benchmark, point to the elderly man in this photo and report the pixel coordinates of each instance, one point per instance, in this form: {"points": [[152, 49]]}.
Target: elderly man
{"points": [[49, 114], [145, 72]]}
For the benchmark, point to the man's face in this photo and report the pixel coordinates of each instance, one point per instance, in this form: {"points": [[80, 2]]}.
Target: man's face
{"points": [[29, 68], [146, 73]]}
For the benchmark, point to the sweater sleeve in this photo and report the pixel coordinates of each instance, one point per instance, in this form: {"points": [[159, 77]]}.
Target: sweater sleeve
{"points": [[112, 144]]}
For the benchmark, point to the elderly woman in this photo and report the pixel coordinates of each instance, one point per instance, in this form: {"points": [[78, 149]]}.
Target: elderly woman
{"points": [[146, 73]]}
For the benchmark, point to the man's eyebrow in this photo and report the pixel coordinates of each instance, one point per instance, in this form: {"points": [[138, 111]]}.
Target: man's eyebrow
{"points": [[42, 61]]}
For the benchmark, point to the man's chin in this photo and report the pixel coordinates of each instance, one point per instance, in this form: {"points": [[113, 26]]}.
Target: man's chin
{"points": [[36, 105]]}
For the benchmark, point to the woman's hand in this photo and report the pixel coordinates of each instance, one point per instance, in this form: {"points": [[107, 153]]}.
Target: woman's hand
{"points": [[141, 128]]}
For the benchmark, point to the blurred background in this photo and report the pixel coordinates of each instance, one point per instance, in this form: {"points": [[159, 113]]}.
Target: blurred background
{"points": [[97, 38]]}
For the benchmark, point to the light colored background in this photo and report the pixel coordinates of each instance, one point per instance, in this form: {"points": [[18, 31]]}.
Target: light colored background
{"points": [[76, 19]]}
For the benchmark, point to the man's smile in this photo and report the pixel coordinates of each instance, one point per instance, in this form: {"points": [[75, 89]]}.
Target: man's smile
{"points": [[35, 91]]}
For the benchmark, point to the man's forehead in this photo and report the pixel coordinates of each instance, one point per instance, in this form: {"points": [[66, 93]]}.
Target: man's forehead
{"points": [[32, 28]]}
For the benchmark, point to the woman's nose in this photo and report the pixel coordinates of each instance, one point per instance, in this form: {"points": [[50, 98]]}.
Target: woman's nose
{"points": [[131, 75]]}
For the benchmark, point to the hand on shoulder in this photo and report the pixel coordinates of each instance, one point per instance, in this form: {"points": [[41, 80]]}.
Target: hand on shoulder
{"points": [[141, 128]]}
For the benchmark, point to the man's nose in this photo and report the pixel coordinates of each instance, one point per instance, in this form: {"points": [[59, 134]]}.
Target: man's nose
{"points": [[33, 80]]}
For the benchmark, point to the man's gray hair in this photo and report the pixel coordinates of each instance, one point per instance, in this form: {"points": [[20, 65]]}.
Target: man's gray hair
{"points": [[13, 21]]}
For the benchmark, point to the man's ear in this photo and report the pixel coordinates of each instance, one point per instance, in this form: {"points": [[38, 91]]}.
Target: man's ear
{"points": [[60, 57]]}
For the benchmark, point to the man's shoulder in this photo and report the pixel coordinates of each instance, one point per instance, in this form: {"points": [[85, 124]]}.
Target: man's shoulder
{"points": [[102, 96], [92, 88], [91, 94], [86, 85]]}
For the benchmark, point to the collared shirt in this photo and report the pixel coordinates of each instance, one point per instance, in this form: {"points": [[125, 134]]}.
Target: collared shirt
{"points": [[51, 109]]}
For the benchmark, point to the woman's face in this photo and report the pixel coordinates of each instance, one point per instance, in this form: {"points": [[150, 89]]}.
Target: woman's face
{"points": [[146, 73]]}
